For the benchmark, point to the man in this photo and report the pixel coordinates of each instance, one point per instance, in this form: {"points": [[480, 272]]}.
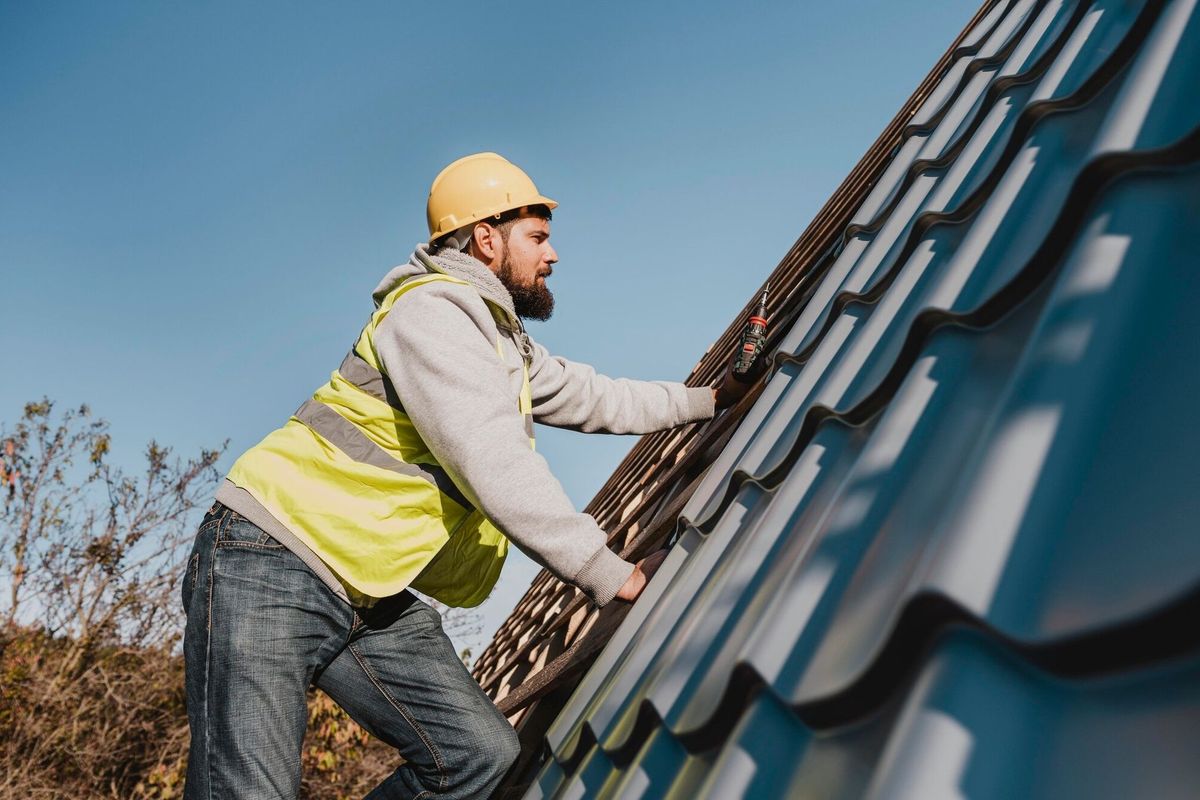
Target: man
{"points": [[412, 468]]}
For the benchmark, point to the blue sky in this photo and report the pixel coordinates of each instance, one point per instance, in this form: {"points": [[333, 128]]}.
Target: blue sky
{"points": [[197, 199]]}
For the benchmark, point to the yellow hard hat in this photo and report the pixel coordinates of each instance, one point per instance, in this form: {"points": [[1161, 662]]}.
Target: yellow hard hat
{"points": [[477, 187]]}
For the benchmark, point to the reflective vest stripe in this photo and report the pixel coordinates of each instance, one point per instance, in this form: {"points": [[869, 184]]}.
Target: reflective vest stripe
{"points": [[345, 436], [355, 369]]}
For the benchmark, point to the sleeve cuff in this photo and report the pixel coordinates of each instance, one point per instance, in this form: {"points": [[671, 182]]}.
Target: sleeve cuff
{"points": [[603, 576], [700, 404]]}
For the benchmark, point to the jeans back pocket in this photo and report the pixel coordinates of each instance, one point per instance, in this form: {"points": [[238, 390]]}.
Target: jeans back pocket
{"points": [[237, 531]]}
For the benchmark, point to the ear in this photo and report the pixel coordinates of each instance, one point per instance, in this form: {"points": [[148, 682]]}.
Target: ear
{"points": [[486, 242]]}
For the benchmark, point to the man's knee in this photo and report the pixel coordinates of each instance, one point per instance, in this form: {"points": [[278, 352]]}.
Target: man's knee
{"points": [[498, 748], [508, 747]]}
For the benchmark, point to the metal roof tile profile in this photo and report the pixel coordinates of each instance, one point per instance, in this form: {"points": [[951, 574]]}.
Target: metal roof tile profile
{"points": [[951, 549]]}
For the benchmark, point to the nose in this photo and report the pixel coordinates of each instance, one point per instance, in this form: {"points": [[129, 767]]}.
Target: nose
{"points": [[551, 255]]}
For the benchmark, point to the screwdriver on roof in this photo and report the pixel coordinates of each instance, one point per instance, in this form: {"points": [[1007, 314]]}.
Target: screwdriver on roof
{"points": [[754, 339]]}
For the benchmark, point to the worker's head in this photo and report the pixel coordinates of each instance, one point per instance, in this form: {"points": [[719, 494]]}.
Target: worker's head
{"points": [[516, 247], [486, 206]]}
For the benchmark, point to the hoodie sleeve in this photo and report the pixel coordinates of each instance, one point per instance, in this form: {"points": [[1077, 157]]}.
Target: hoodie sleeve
{"points": [[568, 394], [436, 347]]}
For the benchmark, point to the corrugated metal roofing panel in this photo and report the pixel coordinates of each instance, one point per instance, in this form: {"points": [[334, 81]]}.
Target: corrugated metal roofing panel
{"points": [[967, 493], [974, 722]]}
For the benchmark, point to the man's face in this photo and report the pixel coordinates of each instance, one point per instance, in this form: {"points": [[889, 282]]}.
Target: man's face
{"points": [[527, 263]]}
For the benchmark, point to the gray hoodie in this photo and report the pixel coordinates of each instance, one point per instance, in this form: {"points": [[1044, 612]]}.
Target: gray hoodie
{"points": [[438, 347]]}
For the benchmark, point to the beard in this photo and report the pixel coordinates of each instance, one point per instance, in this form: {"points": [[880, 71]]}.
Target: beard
{"points": [[530, 301]]}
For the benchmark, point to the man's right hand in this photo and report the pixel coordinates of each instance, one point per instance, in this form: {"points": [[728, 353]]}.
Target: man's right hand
{"points": [[642, 573]]}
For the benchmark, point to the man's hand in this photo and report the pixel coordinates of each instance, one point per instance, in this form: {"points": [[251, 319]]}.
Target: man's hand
{"points": [[729, 390], [642, 573]]}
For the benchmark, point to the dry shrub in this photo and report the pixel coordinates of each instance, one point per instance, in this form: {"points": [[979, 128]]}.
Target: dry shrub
{"points": [[100, 733], [119, 730]]}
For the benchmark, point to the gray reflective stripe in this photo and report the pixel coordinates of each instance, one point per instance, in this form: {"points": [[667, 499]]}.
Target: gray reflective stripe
{"points": [[345, 436], [355, 369], [529, 425]]}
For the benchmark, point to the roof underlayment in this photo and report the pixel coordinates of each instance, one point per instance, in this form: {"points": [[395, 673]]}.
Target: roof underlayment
{"points": [[951, 549]]}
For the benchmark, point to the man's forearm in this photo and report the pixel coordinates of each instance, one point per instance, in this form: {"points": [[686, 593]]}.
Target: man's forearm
{"points": [[570, 394]]}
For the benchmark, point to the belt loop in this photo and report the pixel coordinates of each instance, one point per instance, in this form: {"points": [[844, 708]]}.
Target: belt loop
{"points": [[223, 525]]}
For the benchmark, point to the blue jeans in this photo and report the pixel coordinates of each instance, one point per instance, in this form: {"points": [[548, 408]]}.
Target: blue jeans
{"points": [[262, 627]]}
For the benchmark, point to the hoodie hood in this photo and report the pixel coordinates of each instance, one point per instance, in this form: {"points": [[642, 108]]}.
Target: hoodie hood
{"points": [[456, 264]]}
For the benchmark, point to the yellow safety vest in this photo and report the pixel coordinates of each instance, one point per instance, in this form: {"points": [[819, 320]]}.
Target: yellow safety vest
{"points": [[349, 475]]}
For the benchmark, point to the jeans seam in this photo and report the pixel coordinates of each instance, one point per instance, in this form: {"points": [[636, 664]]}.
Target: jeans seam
{"points": [[408, 717], [255, 545], [212, 558], [193, 577]]}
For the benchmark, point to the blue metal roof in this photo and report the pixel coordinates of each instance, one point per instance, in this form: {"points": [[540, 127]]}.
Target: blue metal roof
{"points": [[952, 550]]}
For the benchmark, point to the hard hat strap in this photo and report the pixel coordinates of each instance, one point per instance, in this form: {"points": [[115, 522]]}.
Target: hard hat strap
{"points": [[461, 238]]}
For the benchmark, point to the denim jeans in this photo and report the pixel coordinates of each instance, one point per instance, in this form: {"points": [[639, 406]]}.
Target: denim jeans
{"points": [[262, 627]]}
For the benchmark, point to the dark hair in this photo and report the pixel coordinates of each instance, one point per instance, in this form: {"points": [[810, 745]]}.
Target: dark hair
{"points": [[504, 221]]}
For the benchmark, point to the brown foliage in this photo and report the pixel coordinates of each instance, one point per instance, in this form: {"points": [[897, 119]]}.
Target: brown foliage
{"points": [[100, 733], [119, 730]]}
